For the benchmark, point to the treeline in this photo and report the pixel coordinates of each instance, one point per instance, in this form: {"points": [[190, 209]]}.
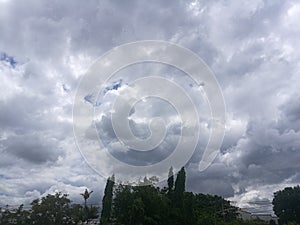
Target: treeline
{"points": [[50, 210], [146, 204]]}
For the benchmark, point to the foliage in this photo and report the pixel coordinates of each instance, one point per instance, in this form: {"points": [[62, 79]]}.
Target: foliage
{"points": [[180, 182], [170, 180], [49, 210], [149, 205], [107, 201], [286, 204], [52, 209], [138, 205], [19, 216], [86, 195], [179, 189], [291, 223]]}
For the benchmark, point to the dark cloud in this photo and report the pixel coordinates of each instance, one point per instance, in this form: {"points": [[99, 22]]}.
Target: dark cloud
{"points": [[32, 148], [290, 115]]}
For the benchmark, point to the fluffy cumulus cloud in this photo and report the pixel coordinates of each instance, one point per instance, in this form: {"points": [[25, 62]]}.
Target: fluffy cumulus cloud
{"points": [[47, 46]]}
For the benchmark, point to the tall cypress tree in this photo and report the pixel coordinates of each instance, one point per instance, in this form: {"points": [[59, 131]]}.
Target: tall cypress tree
{"points": [[107, 201], [180, 181], [170, 179], [179, 188]]}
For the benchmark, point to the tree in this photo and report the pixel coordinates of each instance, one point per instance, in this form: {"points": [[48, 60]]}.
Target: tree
{"points": [[107, 201], [137, 212], [52, 209], [179, 188], [139, 205], [170, 180], [22, 216], [180, 181], [286, 204], [78, 213], [86, 195], [133, 205], [7, 216], [123, 198]]}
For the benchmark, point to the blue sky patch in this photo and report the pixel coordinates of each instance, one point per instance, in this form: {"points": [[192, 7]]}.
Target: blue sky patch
{"points": [[4, 57]]}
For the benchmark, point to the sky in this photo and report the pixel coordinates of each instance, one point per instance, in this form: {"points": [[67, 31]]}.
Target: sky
{"points": [[46, 47]]}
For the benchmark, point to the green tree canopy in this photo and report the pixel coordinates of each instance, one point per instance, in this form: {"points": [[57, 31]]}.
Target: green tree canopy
{"points": [[286, 204], [52, 209]]}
